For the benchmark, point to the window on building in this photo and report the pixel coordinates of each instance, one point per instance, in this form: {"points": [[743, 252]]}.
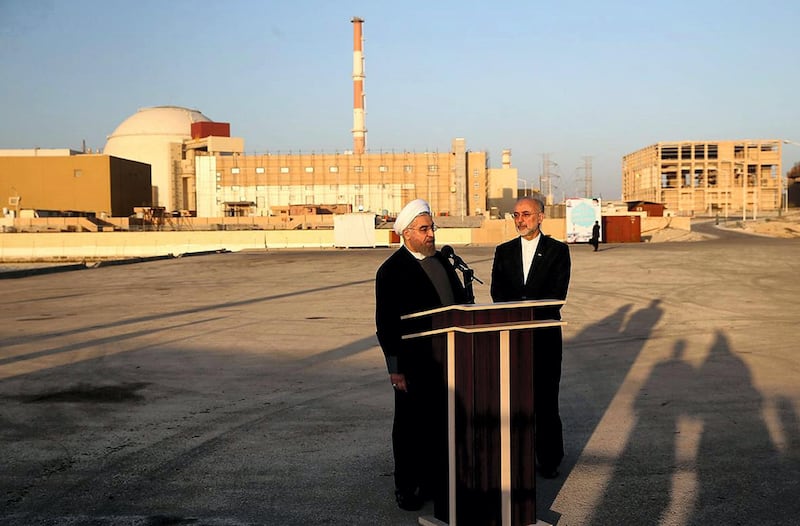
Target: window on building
{"points": [[433, 168], [358, 169], [77, 172], [686, 151], [383, 168], [234, 170], [408, 168], [284, 169], [309, 169], [699, 178], [713, 151], [669, 152], [333, 169], [699, 151], [260, 170]]}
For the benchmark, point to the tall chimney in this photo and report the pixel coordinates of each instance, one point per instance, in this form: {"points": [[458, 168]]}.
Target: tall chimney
{"points": [[359, 123]]}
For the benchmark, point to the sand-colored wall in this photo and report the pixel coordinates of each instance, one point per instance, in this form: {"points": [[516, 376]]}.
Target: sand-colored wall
{"points": [[107, 245], [120, 245]]}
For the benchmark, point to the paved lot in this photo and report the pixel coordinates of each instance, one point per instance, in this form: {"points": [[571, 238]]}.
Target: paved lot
{"points": [[248, 388]]}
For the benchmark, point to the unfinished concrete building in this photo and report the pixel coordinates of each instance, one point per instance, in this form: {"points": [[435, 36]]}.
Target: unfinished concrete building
{"points": [[706, 177], [453, 182]]}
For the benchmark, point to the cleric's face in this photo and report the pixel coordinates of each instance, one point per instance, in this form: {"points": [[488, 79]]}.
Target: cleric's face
{"points": [[419, 235]]}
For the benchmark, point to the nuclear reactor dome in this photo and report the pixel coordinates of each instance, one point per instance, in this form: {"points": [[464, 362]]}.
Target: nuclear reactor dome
{"points": [[147, 136]]}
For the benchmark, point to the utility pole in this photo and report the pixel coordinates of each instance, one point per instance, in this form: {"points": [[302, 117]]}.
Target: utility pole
{"points": [[587, 178], [546, 179]]}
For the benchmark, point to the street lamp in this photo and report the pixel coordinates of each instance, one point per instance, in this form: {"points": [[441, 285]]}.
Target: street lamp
{"points": [[524, 186], [786, 185]]}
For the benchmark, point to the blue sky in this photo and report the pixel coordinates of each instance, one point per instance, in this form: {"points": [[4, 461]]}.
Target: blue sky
{"points": [[569, 79]]}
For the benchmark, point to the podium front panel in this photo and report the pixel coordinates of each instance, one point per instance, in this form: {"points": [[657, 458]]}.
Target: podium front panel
{"points": [[477, 420], [486, 357]]}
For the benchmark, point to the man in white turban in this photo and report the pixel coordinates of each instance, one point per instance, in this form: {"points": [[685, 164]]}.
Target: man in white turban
{"points": [[409, 213], [415, 278]]}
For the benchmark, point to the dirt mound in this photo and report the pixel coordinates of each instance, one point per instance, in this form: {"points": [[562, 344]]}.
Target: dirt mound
{"points": [[785, 226]]}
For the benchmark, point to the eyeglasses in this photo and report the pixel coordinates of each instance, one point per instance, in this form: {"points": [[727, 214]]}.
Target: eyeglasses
{"points": [[525, 215], [424, 229]]}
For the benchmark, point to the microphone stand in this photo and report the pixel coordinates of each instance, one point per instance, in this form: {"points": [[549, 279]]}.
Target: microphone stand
{"points": [[468, 276]]}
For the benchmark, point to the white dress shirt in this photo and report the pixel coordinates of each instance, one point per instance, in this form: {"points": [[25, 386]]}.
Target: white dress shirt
{"points": [[528, 251]]}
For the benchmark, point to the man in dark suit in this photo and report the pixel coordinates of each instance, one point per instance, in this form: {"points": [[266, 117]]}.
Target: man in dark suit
{"points": [[415, 278], [534, 266], [595, 240]]}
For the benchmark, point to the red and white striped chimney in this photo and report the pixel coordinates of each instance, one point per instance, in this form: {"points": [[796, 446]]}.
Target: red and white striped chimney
{"points": [[359, 122]]}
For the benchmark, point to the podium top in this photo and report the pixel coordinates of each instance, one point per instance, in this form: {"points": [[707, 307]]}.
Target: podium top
{"points": [[466, 307], [488, 327]]}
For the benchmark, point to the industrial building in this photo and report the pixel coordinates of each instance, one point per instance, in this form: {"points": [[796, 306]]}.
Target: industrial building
{"points": [[166, 138], [453, 182], [62, 181], [198, 169], [706, 177]]}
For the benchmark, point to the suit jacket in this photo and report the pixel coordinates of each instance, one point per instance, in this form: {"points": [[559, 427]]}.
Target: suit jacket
{"points": [[403, 287], [548, 277]]}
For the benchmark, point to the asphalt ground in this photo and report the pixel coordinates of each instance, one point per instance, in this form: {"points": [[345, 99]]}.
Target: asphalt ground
{"points": [[248, 389]]}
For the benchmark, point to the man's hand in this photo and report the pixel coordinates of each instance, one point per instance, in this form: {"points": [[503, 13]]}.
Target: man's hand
{"points": [[399, 382]]}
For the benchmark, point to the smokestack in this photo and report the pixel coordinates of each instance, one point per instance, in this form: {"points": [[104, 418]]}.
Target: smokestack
{"points": [[359, 123], [506, 158]]}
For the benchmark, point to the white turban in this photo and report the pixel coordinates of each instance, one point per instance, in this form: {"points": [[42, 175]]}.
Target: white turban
{"points": [[408, 213]]}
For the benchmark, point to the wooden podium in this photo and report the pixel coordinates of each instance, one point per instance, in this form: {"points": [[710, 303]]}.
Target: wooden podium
{"points": [[486, 353]]}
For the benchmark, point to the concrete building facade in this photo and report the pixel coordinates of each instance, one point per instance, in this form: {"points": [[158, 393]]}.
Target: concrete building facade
{"points": [[503, 187], [706, 177], [453, 182]]}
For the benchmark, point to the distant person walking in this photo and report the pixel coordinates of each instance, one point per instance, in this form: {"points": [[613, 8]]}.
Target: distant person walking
{"points": [[595, 240]]}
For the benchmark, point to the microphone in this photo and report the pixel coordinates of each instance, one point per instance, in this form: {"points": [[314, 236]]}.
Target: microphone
{"points": [[449, 253], [458, 263]]}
